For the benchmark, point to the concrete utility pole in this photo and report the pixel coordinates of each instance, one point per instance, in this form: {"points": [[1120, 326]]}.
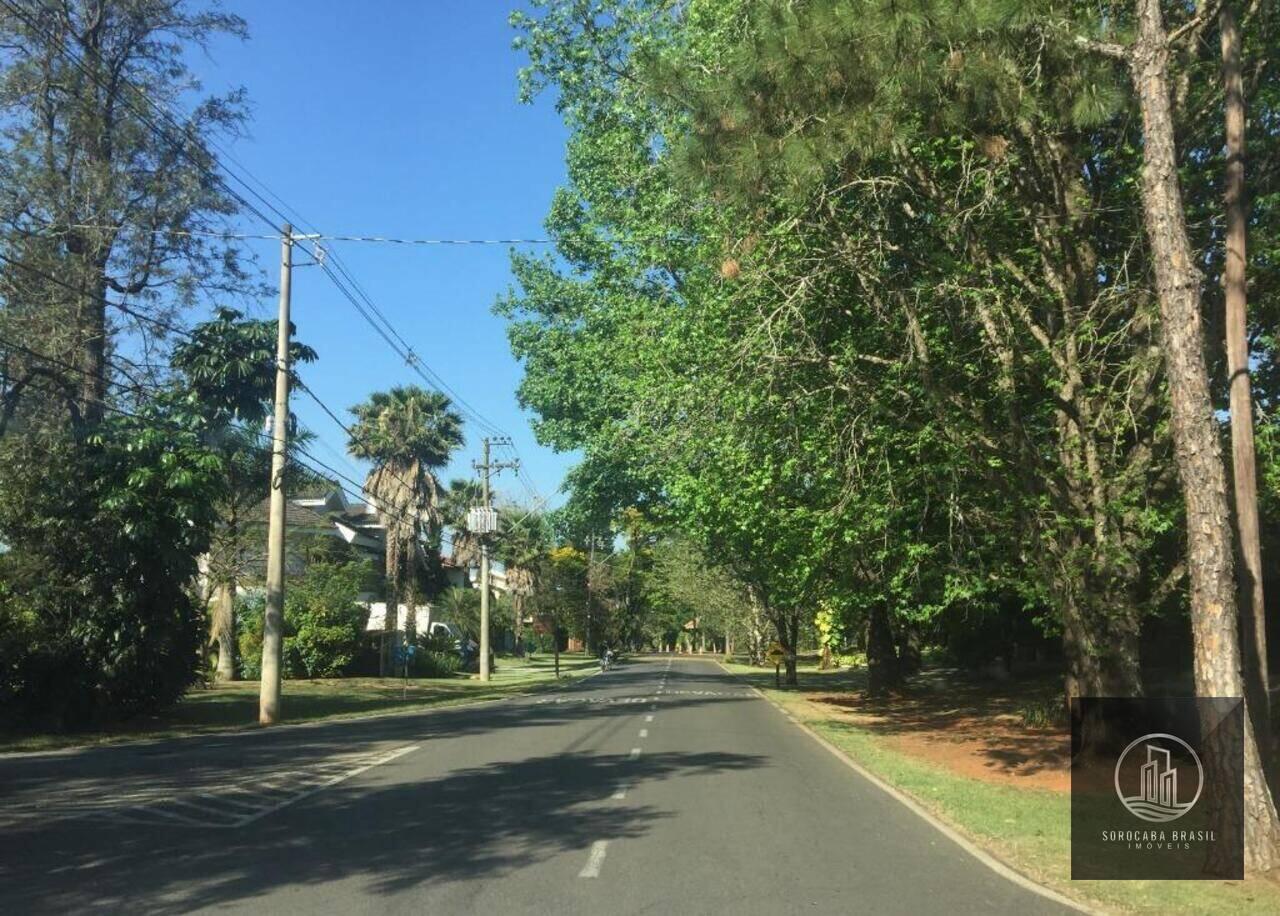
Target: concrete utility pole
{"points": [[486, 467], [273, 618]]}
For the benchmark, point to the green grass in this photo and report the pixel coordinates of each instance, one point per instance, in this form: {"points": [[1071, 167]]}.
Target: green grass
{"points": [[1028, 828], [234, 706]]}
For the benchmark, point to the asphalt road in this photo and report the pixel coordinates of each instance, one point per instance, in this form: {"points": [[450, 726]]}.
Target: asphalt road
{"points": [[662, 786]]}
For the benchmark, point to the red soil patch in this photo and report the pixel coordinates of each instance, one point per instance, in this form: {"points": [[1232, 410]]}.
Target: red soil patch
{"points": [[974, 730]]}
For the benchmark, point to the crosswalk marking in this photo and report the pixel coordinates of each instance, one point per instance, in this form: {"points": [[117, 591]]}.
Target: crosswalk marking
{"points": [[221, 805]]}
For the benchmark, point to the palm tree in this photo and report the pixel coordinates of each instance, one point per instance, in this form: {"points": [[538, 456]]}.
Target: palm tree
{"points": [[407, 433], [521, 547], [461, 607], [461, 496]]}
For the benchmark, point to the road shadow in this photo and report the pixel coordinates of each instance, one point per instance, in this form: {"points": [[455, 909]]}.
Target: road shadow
{"points": [[478, 823], [619, 692]]}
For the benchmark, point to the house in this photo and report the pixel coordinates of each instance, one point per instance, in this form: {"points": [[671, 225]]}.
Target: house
{"points": [[325, 512]]}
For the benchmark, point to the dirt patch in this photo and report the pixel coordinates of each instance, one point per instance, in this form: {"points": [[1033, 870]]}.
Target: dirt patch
{"points": [[976, 730]]}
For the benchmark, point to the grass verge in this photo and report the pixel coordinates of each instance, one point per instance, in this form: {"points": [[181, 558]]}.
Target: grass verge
{"points": [[1028, 829], [234, 706]]}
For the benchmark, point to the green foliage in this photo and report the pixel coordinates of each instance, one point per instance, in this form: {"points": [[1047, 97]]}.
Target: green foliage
{"points": [[324, 621], [229, 363], [102, 539], [854, 296], [461, 607], [436, 657], [250, 609], [406, 425]]}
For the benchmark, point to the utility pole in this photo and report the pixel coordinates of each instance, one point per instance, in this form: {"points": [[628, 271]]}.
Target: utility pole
{"points": [[591, 562], [487, 525], [273, 618]]}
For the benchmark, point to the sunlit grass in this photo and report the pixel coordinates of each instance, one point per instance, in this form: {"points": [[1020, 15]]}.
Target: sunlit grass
{"points": [[232, 706]]}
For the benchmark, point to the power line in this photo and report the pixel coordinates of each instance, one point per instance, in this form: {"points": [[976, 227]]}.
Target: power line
{"points": [[261, 437], [343, 426], [393, 339], [318, 236], [405, 351]]}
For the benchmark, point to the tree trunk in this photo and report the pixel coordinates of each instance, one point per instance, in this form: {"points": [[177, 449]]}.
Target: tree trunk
{"points": [[882, 657], [1101, 650], [787, 625], [756, 636], [908, 645], [1214, 618], [1253, 614], [222, 631], [93, 359], [517, 602]]}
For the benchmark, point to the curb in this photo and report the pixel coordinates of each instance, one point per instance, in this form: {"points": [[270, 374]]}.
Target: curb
{"points": [[986, 858]]}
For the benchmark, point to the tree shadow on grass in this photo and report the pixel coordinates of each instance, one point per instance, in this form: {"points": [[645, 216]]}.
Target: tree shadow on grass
{"points": [[947, 705]]}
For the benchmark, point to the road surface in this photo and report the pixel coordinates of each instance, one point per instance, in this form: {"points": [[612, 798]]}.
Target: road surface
{"points": [[662, 786]]}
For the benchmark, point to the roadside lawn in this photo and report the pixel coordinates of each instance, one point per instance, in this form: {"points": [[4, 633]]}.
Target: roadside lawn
{"points": [[975, 764], [234, 706]]}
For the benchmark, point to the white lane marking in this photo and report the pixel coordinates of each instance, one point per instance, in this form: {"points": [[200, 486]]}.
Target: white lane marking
{"points": [[635, 753], [648, 718], [644, 733], [129, 815], [620, 792], [595, 860], [332, 781]]}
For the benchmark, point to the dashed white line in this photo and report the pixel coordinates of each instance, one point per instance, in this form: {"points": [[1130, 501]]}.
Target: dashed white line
{"points": [[620, 792], [648, 718], [644, 733], [635, 753], [594, 860]]}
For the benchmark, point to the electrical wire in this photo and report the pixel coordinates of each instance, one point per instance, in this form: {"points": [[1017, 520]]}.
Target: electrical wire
{"points": [[350, 292]]}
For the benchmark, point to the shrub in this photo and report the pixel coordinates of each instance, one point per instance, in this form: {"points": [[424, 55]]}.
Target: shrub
{"points": [[432, 663], [249, 612], [323, 622], [102, 536]]}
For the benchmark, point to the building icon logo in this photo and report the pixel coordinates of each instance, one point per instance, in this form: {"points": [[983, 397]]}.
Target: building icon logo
{"points": [[1160, 759]]}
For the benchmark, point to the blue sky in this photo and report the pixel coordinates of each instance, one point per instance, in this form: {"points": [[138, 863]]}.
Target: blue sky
{"points": [[399, 118]]}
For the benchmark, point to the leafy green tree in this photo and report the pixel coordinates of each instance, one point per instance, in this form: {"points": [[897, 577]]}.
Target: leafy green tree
{"points": [[229, 365], [407, 433], [461, 606], [103, 535], [560, 603]]}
